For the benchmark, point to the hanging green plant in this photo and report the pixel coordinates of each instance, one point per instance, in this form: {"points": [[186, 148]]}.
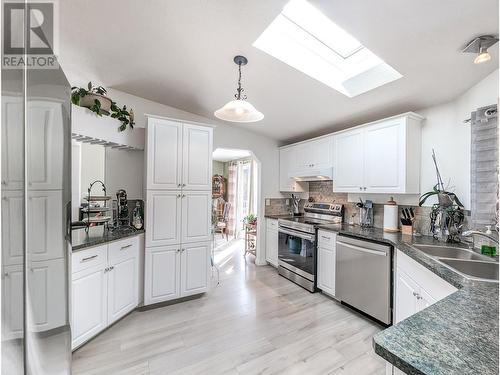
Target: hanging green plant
{"points": [[94, 98]]}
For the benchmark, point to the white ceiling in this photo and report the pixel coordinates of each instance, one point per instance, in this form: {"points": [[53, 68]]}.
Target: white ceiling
{"points": [[179, 53], [224, 154]]}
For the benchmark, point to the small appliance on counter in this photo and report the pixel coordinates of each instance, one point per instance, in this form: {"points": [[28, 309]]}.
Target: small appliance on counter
{"points": [[295, 203], [122, 216]]}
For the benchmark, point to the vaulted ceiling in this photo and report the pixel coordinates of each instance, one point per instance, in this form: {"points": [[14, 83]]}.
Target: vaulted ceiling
{"points": [[179, 53]]}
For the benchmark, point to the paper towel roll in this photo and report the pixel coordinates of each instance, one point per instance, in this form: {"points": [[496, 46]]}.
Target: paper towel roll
{"points": [[391, 222]]}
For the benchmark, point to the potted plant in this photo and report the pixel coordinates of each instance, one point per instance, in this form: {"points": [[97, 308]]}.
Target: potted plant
{"points": [[250, 219], [95, 99]]}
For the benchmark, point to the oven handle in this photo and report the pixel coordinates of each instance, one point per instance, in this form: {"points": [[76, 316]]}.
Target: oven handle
{"points": [[308, 237], [362, 249]]}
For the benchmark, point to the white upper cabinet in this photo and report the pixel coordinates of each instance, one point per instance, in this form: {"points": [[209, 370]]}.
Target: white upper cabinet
{"points": [[287, 163], [12, 143], [164, 154], [179, 156], [163, 213], [348, 161], [195, 223], [13, 227], [45, 136], [314, 154], [197, 158], [381, 157]]}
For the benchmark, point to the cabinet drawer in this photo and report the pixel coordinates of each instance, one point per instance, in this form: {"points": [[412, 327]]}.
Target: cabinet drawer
{"points": [[326, 239], [123, 249], [272, 224], [92, 257]]}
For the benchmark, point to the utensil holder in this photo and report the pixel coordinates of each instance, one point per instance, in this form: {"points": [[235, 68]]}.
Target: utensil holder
{"points": [[407, 229]]}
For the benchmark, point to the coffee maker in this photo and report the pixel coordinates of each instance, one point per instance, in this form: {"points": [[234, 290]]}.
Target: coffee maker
{"points": [[122, 214]]}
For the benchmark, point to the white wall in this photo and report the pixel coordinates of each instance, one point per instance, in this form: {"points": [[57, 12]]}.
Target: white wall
{"points": [[92, 167]]}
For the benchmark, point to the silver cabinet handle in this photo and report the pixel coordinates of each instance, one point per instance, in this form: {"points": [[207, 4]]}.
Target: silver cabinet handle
{"points": [[361, 249], [4, 182], [183, 250], [415, 294], [179, 185], [360, 188], [88, 258], [183, 196], [364, 188], [183, 185], [178, 250], [6, 274], [111, 268], [326, 238], [125, 247]]}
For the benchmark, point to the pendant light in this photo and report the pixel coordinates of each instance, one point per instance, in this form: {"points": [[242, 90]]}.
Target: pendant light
{"points": [[239, 110]]}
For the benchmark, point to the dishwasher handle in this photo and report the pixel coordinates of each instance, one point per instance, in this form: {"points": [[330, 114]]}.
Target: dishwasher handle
{"points": [[364, 250]]}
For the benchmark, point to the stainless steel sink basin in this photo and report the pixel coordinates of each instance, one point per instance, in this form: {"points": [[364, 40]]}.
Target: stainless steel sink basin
{"points": [[450, 252], [474, 269]]}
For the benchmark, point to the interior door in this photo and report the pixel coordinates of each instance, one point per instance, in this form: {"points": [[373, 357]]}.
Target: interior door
{"points": [[197, 157], [162, 274], [348, 161], [45, 148], [163, 213], [164, 154], [385, 157], [122, 288], [195, 260], [196, 216]]}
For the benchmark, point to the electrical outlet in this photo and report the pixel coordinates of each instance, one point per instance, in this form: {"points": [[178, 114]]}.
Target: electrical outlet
{"points": [[287, 202], [268, 202]]}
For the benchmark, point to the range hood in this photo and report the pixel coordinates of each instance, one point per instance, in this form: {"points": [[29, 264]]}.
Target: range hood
{"points": [[323, 174]]}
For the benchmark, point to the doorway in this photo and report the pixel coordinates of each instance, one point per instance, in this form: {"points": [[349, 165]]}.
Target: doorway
{"points": [[235, 202]]}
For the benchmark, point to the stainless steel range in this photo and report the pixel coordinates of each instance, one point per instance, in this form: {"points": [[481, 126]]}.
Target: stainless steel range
{"points": [[297, 250]]}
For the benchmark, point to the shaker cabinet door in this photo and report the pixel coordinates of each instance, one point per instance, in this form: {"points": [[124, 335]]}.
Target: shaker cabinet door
{"points": [[162, 274], [122, 287], [348, 161], [197, 157], [12, 143], [196, 216], [195, 262], [13, 227], [13, 302], [163, 213], [164, 154]]}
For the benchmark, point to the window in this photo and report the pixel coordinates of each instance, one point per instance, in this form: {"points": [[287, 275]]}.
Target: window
{"points": [[304, 38]]}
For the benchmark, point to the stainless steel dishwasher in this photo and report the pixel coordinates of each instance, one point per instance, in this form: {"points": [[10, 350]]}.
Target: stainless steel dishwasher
{"points": [[363, 277]]}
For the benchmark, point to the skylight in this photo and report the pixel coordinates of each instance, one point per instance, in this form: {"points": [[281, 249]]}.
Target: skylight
{"points": [[304, 38]]}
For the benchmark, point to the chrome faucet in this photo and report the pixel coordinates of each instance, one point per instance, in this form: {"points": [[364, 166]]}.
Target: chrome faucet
{"points": [[472, 233]]}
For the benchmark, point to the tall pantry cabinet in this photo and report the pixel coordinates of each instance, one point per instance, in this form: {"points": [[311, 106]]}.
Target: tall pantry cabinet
{"points": [[178, 209]]}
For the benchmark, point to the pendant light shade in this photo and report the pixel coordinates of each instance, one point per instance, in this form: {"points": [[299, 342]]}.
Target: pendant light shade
{"points": [[239, 110]]}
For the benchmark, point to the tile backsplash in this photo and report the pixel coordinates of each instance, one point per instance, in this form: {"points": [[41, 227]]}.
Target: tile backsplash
{"points": [[322, 191]]}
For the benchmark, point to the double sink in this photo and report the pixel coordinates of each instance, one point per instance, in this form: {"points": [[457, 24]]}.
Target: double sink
{"points": [[466, 262]]}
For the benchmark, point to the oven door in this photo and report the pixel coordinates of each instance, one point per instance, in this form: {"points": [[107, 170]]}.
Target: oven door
{"points": [[297, 252]]}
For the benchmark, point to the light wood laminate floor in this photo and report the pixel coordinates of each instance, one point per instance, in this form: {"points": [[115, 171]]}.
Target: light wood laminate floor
{"points": [[254, 322]]}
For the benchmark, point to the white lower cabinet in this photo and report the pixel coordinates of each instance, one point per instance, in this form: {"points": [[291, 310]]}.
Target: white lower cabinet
{"points": [[12, 306], [272, 242], [416, 288], [105, 287], [326, 262], [176, 271]]}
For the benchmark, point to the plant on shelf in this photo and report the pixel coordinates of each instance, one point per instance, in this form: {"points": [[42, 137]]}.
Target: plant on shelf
{"points": [[250, 219], [95, 99], [447, 215]]}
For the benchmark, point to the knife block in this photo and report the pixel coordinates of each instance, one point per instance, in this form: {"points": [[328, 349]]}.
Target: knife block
{"points": [[407, 229]]}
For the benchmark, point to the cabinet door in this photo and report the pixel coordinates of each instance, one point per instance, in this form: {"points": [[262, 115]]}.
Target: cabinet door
{"points": [[385, 157], [88, 304], [163, 212], [164, 154], [287, 164], [406, 296], [46, 238], [272, 247], [122, 286], [326, 269], [47, 288], [162, 274], [424, 300], [12, 306], [12, 143], [197, 158], [12, 227], [348, 161], [45, 146], [320, 153], [196, 215], [195, 263]]}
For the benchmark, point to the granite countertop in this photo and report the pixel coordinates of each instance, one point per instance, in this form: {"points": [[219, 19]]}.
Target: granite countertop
{"points": [[457, 335], [80, 239]]}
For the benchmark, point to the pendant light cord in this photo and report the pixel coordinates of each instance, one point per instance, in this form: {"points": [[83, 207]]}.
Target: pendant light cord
{"points": [[240, 89]]}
